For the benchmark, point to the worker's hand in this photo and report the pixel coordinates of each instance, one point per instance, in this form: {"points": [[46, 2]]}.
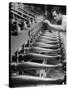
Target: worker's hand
{"points": [[47, 22]]}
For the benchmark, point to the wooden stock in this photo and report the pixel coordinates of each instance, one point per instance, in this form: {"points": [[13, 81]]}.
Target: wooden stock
{"points": [[32, 65], [40, 56], [39, 49], [27, 77], [40, 44]]}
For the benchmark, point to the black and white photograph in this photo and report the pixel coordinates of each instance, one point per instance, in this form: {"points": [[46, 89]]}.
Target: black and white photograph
{"points": [[37, 44]]}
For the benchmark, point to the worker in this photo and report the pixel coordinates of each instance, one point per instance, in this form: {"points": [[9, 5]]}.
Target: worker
{"points": [[60, 25]]}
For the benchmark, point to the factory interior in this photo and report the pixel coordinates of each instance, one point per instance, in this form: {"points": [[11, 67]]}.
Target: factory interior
{"points": [[36, 53]]}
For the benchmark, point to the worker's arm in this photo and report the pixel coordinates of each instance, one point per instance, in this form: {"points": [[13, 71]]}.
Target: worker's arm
{"points": [[60, 28]]}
